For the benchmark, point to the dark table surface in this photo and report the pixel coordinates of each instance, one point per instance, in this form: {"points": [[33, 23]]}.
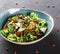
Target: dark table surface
{"points": [[49, 45]]}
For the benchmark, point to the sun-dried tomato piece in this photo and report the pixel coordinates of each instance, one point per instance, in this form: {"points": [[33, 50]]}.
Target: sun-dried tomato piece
{"points": [[19, 33]]}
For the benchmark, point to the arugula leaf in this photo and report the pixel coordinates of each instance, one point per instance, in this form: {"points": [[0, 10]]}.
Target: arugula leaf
{"points": [[12, 37], [11, 27], [5, 32], [33, 37]]}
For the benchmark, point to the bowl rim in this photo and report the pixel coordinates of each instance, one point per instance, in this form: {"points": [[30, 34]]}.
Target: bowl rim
{"points": [[28, 43]]}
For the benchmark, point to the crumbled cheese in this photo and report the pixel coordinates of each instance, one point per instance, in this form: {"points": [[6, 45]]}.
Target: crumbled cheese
{"points": [[43, 29], [21, 29], [18, 24]]}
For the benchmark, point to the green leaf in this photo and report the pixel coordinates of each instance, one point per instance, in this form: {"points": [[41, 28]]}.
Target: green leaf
{"points": [[21, 39], [18, 39], [14, 18], [44, 23], [35, 17], [11, 27], [32, 38], [12, 37], [5, 32]]}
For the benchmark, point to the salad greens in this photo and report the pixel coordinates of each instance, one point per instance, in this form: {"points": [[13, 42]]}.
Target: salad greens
{"points": [[24, 28]]}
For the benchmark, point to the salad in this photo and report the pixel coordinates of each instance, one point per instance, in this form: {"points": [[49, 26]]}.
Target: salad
{"points": [[24, 28]]}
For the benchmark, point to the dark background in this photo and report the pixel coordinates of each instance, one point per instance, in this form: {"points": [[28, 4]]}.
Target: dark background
{"points": [[49, 45]]}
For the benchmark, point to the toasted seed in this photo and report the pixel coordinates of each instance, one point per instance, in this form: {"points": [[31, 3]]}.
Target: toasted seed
{"points": [[48, 6], [53, 6], [53, 45], [23, 6], [56, 17], [37, 52], [36, 2], [15, 52], [57, 30], [16, 3], [6, 48]]}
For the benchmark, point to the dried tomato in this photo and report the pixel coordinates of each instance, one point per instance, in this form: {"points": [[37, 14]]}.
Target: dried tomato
{"points": [[19, 33]]}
